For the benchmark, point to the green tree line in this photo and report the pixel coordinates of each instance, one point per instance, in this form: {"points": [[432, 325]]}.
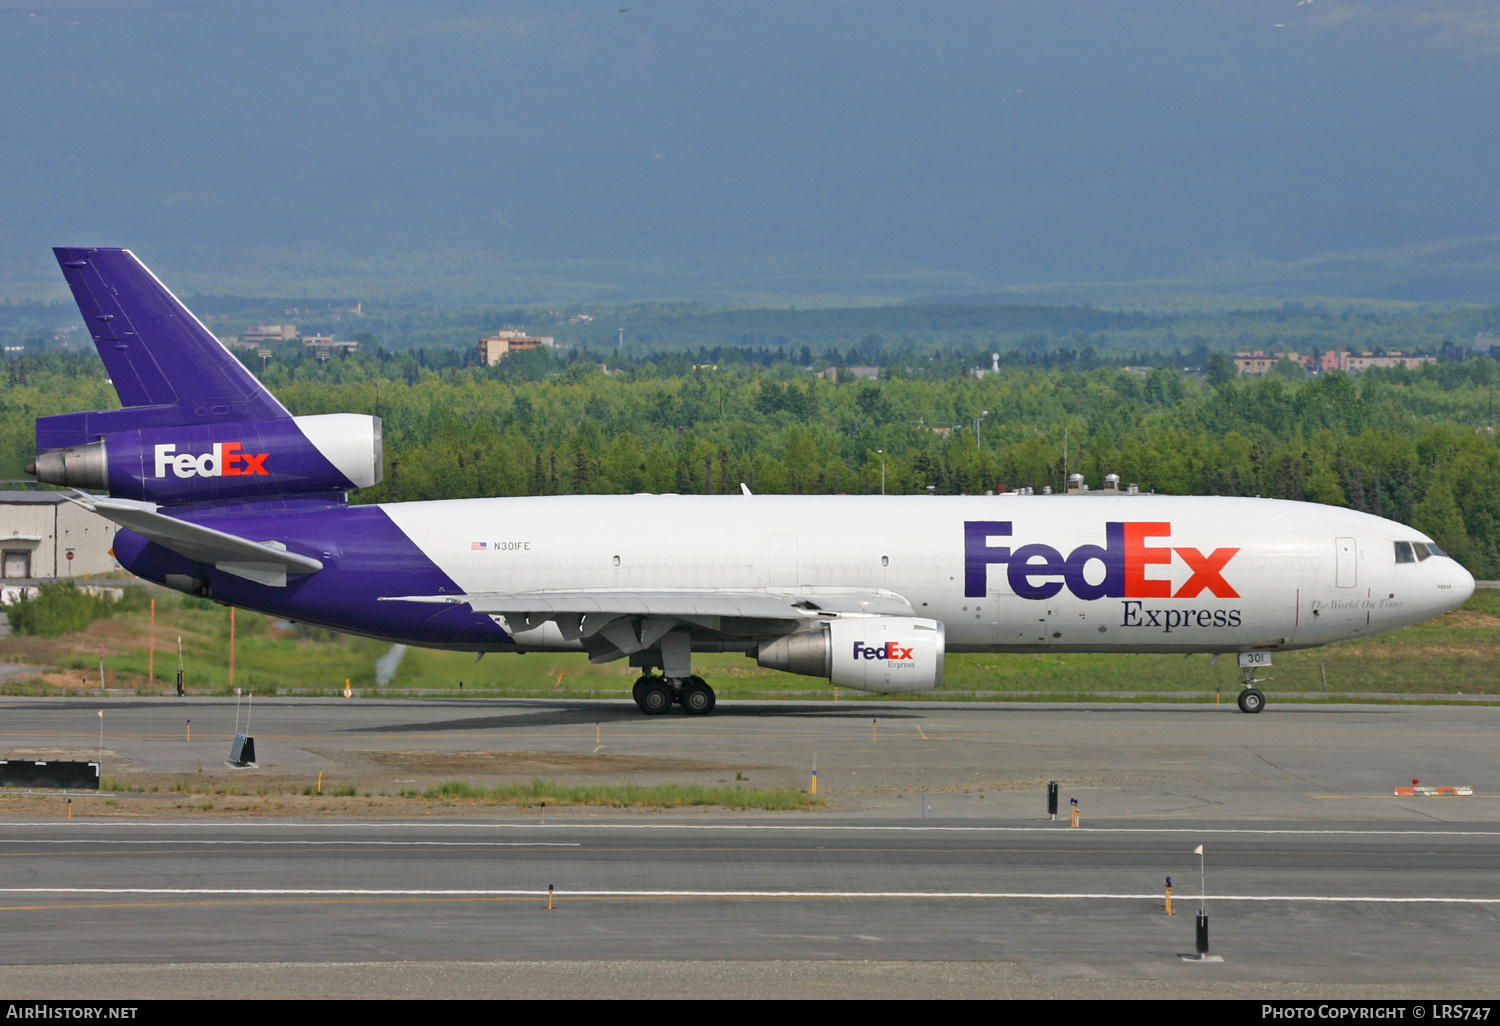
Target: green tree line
{"points": [[1414, 446]]}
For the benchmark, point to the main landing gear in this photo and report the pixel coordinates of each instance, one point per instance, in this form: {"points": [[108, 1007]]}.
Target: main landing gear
{"points": [[656, 695]]}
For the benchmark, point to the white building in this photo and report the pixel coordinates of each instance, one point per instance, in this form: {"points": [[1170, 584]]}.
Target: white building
{"points": [[43, 536]]}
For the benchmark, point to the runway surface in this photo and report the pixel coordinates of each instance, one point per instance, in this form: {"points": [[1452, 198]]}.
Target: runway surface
{"points": [[1285, 901], [1316, 881], [983, 760]]}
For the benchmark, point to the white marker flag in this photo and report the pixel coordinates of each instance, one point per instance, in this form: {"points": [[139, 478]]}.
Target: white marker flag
{"points": [[1196, 851]]}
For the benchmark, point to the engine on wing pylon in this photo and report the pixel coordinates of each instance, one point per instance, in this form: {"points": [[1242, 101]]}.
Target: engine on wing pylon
{"points": [[870, 653]]}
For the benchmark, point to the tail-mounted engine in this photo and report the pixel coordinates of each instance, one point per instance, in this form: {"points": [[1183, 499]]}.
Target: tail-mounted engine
{"points": [[870, 653], [227, 460]]}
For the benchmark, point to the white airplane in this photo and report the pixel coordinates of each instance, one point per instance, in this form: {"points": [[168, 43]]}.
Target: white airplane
{"points": [[222, 493]]}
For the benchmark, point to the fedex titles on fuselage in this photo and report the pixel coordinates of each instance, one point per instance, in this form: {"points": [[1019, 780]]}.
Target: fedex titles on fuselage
{"points": [[224, 460], [1039, 572]]}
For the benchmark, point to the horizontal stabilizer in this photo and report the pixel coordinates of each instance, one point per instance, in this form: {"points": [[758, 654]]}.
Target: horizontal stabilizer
{"points": [[263, 562]]}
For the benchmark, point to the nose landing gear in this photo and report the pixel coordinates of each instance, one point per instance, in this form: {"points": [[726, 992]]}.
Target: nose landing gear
{"points": [[1252, 699]]}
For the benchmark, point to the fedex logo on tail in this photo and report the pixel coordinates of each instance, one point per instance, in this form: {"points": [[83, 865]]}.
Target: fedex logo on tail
{"points": [[1040, 571], [224, 460]]}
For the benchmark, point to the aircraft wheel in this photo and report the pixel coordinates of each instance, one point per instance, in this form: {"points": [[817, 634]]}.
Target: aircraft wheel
{"points": [[697, 697], [635, 692], [653, 696], [1252, 700]]}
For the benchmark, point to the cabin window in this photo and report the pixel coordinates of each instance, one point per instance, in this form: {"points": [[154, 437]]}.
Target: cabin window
{"points": [[1404, 553]]}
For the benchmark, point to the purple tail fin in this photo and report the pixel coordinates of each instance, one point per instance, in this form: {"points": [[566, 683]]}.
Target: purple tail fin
{"points": [[166, 367]]}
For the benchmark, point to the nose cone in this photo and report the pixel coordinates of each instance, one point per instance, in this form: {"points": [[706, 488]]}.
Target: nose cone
{"points": [[1463, 586]]}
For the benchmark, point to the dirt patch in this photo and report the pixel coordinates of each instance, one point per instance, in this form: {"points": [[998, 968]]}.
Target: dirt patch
{"points": [[1469, 619], [361, 782], [92, 805], [523, 763], [78, 754]]}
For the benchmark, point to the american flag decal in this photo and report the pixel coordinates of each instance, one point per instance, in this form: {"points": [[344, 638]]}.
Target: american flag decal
{"points": [[476, 546]]}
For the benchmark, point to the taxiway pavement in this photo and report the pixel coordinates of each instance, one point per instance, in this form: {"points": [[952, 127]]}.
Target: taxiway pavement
{"points": [[1318, 877]]}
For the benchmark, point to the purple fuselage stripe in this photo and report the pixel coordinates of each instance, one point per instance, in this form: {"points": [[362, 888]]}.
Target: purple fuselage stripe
{"points": [[365, 556]]}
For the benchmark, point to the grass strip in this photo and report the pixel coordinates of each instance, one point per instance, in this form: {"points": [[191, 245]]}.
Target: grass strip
{"points": [[623, 796]]}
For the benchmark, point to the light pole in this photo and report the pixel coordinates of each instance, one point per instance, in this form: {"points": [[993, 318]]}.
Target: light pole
{"points": [[977, 422], [882, 470]]}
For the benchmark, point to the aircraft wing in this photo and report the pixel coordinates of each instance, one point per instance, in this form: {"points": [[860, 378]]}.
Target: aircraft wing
{"points": [[754, 605], [263, 562], [546, 604], [611, 624]]}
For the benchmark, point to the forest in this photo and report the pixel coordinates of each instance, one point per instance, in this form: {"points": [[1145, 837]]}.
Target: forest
{"points": [[1416, 446]]}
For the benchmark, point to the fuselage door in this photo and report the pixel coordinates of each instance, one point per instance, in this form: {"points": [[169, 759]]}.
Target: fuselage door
{"points": [[1346, 555]]}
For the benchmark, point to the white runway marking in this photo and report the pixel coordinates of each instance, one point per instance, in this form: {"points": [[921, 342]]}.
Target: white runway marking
{"points": [[380, 892], [331, 840], [1060, 828]]}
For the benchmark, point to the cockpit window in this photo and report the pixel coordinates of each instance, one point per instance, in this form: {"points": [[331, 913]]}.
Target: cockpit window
{"points": [[1432, 548], [1404, 553], [1423, 552]]}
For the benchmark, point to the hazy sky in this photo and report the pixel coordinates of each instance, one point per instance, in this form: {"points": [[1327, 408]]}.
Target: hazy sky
{"points": [[561, 148]]}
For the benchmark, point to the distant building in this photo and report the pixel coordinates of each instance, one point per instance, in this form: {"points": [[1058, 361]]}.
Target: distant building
{"points": [[43, 536], [500, 345], [993, 368], [855, 373], [1487, 345], [327, 342], [267, 334], [1256, 363], [1356, 362], [1259, 363]]}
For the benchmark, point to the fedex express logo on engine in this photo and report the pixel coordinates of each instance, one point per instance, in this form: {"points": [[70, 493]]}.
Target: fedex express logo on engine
{"points": [[225, 460], [1129, 550], [890, 650]]}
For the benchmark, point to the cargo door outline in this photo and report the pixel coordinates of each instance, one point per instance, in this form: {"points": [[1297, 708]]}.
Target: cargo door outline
{"points": [[1346, 561]]}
